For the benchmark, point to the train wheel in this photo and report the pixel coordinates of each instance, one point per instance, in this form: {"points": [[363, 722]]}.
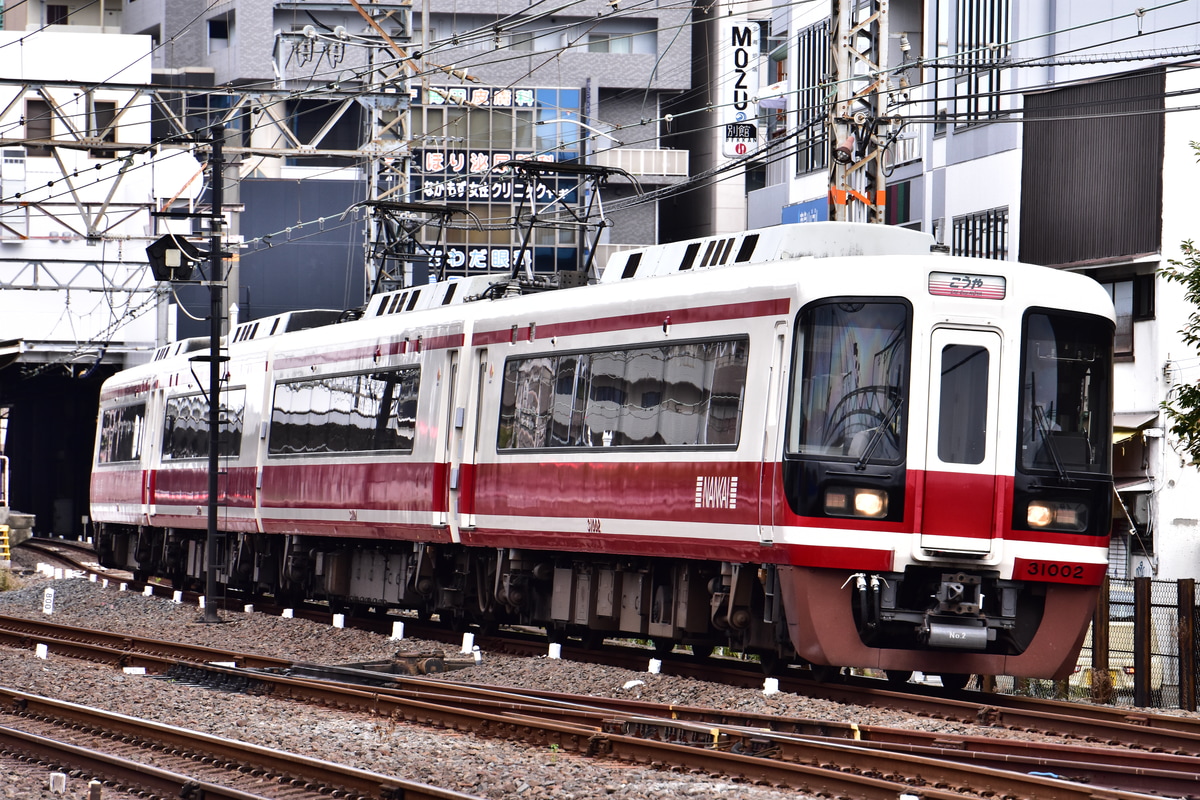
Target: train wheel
{"points": [[955, 680], [702, 650], [664, 647], [898, 675]]}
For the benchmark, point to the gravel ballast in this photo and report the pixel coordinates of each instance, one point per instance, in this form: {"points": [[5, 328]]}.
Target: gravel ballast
{"points": [[472, 765]]}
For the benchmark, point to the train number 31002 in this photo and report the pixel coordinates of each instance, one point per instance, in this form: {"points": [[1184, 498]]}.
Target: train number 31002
{"points": [[1050, 569]]}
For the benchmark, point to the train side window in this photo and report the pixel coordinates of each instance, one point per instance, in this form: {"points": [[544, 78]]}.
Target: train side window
{"points": [[354, 412], [185, 425], [962, 416], [683, 395], [121, 434]]}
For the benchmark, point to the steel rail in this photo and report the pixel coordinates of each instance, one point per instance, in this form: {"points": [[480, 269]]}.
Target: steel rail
{"points": [[294, 766]]}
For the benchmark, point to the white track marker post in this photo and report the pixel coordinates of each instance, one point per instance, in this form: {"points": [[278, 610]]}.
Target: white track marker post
{"points": [[148, 591], [771, 686], [555, 650], [397, 631], [468, 642], [339, 620], [48, 601], [288, 613], [201, 601], [655, 666], [177, 598], [248, 608]]}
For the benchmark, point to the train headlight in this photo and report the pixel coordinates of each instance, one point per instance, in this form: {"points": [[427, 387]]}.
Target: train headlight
{"points": [[845, 501], [1056, 515]]}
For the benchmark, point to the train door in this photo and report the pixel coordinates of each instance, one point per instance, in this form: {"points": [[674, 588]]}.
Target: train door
{"points": [[451, 447], [959, 496], [151, 455], [768, 469]]}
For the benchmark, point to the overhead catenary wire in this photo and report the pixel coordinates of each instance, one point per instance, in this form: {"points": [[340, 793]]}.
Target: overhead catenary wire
{"points": [[651, 136]]}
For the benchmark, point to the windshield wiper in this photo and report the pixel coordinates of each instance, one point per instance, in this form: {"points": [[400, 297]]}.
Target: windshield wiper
{"points": [[877, 434], [1039, 417]]}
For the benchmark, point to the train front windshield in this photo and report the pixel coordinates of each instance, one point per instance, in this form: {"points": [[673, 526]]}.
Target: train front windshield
{"points": [[853, 381], [1066, 373]]}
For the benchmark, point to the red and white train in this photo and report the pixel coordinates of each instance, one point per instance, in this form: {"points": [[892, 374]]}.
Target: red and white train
{"points": [[826, 443]]}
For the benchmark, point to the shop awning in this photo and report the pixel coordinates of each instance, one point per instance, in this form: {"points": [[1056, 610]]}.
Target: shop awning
{"points": [[1127, 424]]}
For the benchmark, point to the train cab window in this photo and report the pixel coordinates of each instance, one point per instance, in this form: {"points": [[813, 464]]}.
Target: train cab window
{"points": [[852, 381], [1066, 370], [121, 434]]}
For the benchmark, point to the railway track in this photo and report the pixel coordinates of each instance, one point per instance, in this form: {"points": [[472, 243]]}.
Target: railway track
{"points": [[168, 761], [815, 756]]}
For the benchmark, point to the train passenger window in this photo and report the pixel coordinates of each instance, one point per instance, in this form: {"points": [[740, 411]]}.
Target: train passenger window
{"points": [[121, 434], [962, 416], [356, 412], [185, 425], [852, 380], [1066, 370], [686, 395]]}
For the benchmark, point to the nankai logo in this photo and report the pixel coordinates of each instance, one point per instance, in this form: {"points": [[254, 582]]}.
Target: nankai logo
{"points": [[716, 491]]}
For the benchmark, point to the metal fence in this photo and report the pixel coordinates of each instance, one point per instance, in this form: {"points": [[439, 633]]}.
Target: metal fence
{"points": [[1140, 649]]}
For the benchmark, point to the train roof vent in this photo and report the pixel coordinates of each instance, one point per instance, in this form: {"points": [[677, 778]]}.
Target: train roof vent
{"points": [[631, 266], [313, 318], [777, 243]]}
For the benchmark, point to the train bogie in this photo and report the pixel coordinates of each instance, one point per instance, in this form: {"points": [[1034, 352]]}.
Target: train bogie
{"points": [[820, 442]]}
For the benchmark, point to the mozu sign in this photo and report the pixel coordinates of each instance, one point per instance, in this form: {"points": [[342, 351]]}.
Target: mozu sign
{"points": [[738, 82]]}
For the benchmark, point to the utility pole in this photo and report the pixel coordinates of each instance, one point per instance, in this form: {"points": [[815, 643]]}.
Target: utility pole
{"points": [[217, 310], [858, 115]]}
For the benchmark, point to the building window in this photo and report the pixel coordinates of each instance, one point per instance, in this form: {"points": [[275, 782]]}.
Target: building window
{"points": [[982, 33], [982, 235], [104, 114], [57, 14], [38, 126], [609, 43], [1133, 299], [814, 66], [220, 33]]}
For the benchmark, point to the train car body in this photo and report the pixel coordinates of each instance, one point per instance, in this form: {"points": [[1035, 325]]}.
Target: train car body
{"points": [[818, 442]]}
